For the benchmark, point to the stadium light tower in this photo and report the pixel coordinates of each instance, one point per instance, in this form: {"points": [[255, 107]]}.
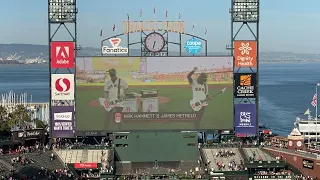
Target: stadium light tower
{"points": [[61, 13], [246, 13]]}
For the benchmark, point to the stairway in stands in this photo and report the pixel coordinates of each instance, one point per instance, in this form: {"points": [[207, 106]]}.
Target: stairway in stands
{"points": [[84, 157], [5, 164], [241, 151]]}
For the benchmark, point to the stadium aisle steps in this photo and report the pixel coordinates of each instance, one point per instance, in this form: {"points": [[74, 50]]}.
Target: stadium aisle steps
{"points": [[242, 154], [84, 157], [5, 164]]}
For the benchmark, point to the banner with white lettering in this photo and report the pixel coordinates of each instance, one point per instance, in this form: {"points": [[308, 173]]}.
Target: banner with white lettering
{"points": [[62, 121], [245, 85]]}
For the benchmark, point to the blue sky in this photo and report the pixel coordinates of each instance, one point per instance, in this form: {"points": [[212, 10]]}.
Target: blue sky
{"points": [[285, 25]]}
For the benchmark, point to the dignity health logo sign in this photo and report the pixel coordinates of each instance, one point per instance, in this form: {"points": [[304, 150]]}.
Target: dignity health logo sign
{"points": [[193, 46]]}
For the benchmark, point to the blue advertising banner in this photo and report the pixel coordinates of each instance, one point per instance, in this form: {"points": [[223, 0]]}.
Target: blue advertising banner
{"points": [[245, 120], [62, 121], [193, 46]]}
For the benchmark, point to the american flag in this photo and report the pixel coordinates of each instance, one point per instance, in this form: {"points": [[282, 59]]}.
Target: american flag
{"points": [[154, 9], [179, 16], [140, 12], [314, 100], [101, 32], [166, 13], [128, 16]]}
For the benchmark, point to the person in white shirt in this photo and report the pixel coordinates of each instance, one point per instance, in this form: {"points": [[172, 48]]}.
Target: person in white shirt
{"points": [[199, 85], [199, 90], [114, 88], [114, 92]]}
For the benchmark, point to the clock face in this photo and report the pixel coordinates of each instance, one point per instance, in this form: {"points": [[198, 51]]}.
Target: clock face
{"points": [[154, 42]]}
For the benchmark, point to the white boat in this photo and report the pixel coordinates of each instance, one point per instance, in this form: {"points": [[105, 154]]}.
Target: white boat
{"points": [[309, 127]]}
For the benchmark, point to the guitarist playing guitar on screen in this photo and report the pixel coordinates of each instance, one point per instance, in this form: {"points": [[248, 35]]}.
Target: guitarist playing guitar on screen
{"points": [[200, 91]]}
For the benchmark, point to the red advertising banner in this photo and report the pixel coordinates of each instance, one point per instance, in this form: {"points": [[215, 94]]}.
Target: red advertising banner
{"points": [[245, 53], [85, 165], [62, 54]]}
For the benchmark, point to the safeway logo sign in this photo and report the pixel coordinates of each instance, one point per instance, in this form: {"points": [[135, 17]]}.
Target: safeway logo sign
{"points": [[62, 86], [245, 53], [62, 54], [115, 49]]}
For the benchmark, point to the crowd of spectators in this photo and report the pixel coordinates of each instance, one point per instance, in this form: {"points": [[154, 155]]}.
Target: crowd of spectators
{"points": [[224, 153]]}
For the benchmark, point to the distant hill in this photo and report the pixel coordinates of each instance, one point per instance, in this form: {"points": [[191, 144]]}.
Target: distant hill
{"points": [[27, 51]]}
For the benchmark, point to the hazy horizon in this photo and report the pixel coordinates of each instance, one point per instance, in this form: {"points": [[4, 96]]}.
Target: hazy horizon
{"points": [[285, 26]]}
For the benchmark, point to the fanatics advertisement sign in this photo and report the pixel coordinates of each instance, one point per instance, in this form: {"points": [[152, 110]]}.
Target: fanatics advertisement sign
{"points": [[62, 121], [245, 120], [245, 85]]}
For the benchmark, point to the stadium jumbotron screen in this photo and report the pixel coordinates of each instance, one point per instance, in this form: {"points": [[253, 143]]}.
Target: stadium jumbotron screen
{"points": [[154, 93]]}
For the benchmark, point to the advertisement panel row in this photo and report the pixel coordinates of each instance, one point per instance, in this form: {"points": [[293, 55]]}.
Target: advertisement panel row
{"points": [[153, 93], [245, 115], [62, 105]]}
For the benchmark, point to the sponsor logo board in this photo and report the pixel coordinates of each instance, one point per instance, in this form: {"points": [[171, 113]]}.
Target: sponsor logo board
{"points": [[306, 163], [193, 46], [245, 85], [115, 49], [85, 165], [245, 53], [245, 120], [62, 55], [62, 86], [62, 121]]}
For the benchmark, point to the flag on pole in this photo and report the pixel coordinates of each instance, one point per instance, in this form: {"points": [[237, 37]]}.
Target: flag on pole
{"points": [[101, 32], [166, 13], [154, 9], [128, 16], [193, 29], [179, 16], [114, 28], [307, 112], [314, 100], [140, 13], [205, 32]]}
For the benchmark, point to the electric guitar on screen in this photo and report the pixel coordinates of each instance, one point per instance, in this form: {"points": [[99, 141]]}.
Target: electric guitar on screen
{"points": [[197, 105], [108, 106]]}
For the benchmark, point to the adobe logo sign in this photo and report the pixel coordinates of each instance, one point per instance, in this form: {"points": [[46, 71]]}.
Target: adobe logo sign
{"points": [[62, 86], [62, 54]]}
